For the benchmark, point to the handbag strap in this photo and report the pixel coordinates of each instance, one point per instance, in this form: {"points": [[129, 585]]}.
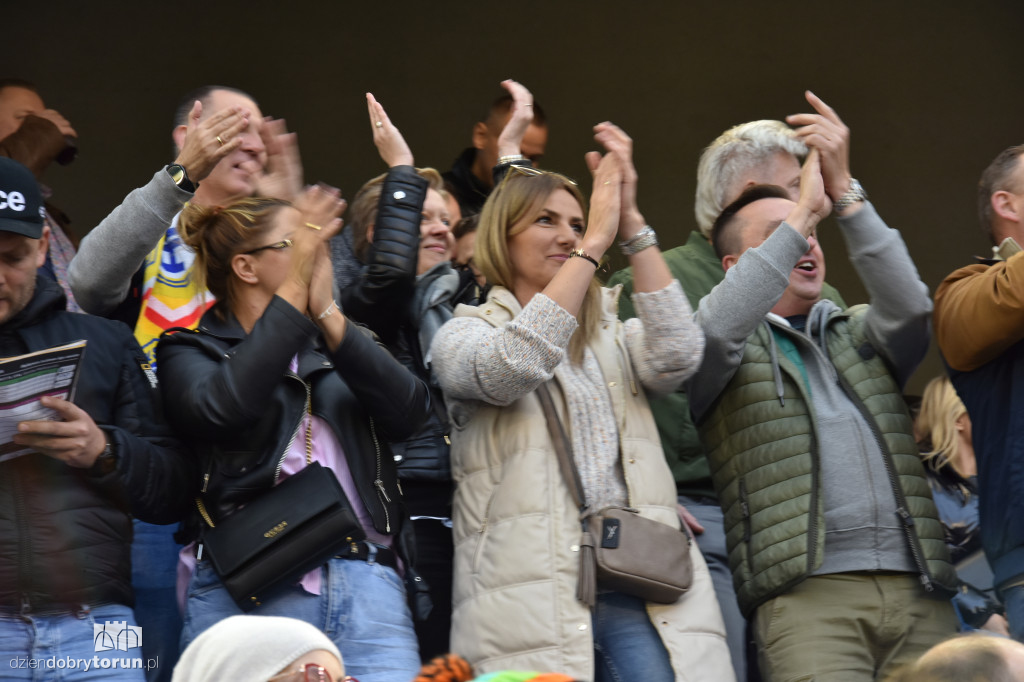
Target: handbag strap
{"points": [[563, 448], [586, 583]]}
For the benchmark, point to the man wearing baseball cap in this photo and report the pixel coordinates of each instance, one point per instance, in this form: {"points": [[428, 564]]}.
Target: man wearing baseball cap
{"points": [[66, 507]]}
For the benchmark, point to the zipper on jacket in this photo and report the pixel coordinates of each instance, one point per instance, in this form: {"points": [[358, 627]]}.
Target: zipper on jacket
{"points": [[24, 543], [906, 520], [812, 514], [378, 482], [295, 431], [747, 529]]}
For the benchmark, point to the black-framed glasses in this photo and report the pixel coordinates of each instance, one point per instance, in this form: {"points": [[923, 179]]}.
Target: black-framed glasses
{"points": [[276, 246]]}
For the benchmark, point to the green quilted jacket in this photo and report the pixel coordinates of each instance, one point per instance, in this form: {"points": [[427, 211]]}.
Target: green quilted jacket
{"points": [[763, 457]]}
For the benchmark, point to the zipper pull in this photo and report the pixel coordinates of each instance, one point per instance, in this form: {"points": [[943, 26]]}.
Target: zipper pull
{"points": [[447, 440], [206, 481], [905, 516], [380, 486]]}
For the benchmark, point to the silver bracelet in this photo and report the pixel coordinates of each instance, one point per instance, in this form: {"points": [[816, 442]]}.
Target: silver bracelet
{"points": [[643, 239], [330, 310], [509, 158]]}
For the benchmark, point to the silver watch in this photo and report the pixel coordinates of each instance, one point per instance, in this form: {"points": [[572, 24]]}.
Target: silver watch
{"points": [[853, 195]]}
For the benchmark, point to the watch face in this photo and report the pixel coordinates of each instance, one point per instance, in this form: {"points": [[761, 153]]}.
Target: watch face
{"points": [[177, 173]]}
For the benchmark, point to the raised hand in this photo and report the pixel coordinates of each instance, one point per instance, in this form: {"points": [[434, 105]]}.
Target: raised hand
{"points": [[510, 141], [76, 440], [54, 117], [315, 219], [390, 144], [605, 203], [813, 205], [825, 132], [617, 142], [207, 142], [282, 176]]}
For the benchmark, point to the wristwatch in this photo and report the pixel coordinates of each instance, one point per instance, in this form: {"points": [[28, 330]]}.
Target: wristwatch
{"points": [[107, 461], [853, 195], [180, 177]]}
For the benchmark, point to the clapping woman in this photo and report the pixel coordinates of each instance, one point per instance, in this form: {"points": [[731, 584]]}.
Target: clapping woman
{"points": [[548, 322], [273, 384]]}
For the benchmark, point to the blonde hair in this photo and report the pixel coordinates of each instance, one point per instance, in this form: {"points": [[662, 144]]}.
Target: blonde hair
{"points": [[732, 154], [217, 234], [512, 207], [941, 407], [363, 211]]}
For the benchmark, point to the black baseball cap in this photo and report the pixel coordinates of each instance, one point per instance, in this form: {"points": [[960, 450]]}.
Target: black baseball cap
{"points": [[21, 202]]}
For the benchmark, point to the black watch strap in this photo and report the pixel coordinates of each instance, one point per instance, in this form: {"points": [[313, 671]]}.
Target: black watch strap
{"points": [[180, 177]]}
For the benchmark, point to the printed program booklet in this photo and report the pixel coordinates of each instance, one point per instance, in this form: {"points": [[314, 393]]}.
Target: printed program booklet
{"points": [[27, 378]]}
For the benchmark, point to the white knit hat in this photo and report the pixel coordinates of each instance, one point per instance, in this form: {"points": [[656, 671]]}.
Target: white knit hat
{"points": [[250, 648]]}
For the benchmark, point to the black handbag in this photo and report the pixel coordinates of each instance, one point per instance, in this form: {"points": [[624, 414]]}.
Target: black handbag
{"points": [[293, 528]]}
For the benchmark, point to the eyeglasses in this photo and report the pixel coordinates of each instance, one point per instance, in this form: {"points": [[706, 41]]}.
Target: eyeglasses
{"points": [[276, 246], [311, 672]]}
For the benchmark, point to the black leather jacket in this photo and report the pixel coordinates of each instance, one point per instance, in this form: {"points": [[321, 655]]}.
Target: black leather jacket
{"points": [[65, 532], [383, 299], [232, 396]]}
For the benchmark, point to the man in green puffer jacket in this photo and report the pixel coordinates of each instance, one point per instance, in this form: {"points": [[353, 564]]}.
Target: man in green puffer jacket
{"points": [[836, 551]]}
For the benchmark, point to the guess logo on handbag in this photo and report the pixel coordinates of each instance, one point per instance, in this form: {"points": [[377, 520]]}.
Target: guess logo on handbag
{"points": [[275, 530], [610, 534]]}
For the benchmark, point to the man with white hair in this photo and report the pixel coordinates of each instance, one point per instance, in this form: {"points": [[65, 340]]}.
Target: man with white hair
{"points": [[761, 152]]}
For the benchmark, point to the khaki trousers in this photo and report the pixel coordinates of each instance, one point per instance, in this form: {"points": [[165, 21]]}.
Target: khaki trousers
{"points": [[849, 627]]}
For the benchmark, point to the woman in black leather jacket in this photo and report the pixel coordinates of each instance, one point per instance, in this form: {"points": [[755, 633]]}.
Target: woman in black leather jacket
{"points": [[276, 378], [405, 292]]}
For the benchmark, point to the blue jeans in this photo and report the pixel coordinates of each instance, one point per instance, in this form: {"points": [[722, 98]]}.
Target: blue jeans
{"points": [[1013, 602], [626, 644], [712, 546], [62, 647], [154, 579], [361, 607]]}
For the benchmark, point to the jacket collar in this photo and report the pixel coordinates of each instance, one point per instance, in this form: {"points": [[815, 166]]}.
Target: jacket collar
{"points": [[47, 299]]}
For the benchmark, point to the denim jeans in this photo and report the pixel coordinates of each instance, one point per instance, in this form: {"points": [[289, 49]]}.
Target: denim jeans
{"points": [[154, 579], [361, 607], [626, 645], [1013, 602], [62, 647], [712, 546]]}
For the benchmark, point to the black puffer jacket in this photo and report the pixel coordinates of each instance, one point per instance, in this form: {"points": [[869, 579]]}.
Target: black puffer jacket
{"points": [[65, 533], [232, 396]]}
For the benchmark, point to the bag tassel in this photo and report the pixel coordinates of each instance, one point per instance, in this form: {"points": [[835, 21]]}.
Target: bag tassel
{"points": [[586, 589]]}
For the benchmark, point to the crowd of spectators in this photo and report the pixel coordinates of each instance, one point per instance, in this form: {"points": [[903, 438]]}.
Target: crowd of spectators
{"points": [[300, 448]]}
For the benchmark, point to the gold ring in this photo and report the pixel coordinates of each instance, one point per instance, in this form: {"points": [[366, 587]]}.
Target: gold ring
{"points": [[314, 227], [607, 182], [379, 124], [220, 141]]}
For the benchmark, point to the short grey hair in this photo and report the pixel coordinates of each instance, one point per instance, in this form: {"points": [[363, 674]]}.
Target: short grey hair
{"points": [[732, 154]]}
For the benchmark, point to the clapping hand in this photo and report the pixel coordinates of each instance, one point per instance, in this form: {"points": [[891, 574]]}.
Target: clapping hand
{"points": [[389, 141], [605, 203], [510, 141], [826, 132], [617, 142], [207, 142], [282, 175]]}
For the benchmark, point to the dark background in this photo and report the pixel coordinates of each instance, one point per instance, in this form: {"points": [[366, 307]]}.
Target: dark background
{"points": [[931, 91]]}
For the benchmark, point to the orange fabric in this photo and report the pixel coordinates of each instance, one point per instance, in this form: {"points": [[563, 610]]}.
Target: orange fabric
{"points": [[979, 312]]}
